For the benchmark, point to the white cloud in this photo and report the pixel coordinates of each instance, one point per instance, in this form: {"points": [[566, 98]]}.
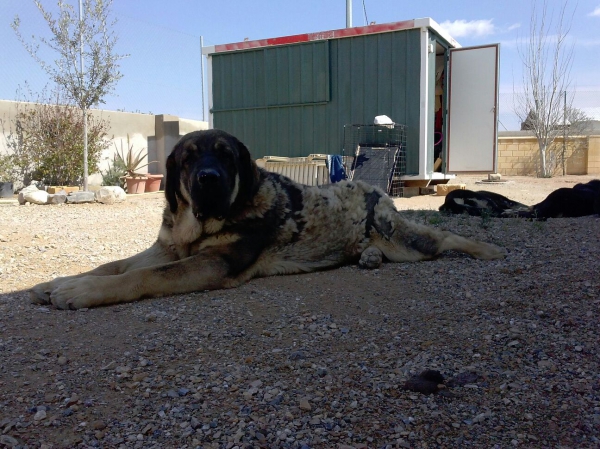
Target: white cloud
{"points": [[595, 12], [473, 28]]}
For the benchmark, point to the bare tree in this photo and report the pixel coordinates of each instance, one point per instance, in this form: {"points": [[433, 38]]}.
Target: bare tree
{"points": [[547, 57], [87, 67]]}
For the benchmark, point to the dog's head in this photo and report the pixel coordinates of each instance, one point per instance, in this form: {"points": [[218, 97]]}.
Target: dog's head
{"points": [[212, 172]]}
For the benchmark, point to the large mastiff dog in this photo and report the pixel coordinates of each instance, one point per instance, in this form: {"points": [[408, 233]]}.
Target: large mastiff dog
{"points": [[227, 221]]}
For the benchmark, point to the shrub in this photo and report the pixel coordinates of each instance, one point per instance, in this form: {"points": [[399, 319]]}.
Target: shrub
{"points": [[47, 142], [7, 168]]}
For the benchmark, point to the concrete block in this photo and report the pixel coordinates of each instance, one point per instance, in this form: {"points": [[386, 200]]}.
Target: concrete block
{"points": [[81, 197], [408, 192], [57, 198], [444, 189]]}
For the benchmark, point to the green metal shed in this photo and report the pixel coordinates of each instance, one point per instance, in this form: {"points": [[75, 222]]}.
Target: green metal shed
{"points": [[292, 96]]}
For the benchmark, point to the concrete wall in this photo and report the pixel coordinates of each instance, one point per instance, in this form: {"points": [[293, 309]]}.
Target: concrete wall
{"points": [[155, 133], [519, 155]]}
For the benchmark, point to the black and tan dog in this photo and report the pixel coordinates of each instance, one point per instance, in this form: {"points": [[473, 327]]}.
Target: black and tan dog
{"points": [[579, 201], [228, 221]]}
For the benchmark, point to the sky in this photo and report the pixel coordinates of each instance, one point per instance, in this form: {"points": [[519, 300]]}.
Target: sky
{"points": [[162, 72]]}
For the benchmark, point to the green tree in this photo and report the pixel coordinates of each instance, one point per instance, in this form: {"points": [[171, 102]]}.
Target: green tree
{"points": [[87, 67]]}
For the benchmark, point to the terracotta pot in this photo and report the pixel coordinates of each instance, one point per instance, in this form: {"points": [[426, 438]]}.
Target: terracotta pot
{"points": [[135, 185], [153, 182]]}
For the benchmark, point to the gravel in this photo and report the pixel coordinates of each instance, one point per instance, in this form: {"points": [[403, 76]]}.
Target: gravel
{"points": [[336, 359]]}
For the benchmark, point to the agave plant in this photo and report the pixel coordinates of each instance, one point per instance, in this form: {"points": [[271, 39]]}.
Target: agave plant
{"points": [[131, 161]]}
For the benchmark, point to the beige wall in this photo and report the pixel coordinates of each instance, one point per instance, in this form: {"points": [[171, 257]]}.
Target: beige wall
{"points": [[155, 133], [519, 156]]}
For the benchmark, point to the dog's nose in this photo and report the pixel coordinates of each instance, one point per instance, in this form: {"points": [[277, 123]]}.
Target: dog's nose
{"points": [[208, 175]]}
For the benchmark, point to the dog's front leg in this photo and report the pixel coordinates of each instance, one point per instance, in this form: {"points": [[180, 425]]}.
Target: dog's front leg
{"points": [[195, 273], [157, 254]]}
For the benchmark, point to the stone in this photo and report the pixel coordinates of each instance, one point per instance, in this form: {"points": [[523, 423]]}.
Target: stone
{"points": [[98, 425], [36, 196], [40, 415], [305, 405], [110, 195], [80, 197], [56, 198], [8, 441]]}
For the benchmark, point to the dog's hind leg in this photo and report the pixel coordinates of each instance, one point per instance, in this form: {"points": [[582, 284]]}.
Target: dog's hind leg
{"points": [[475, 248], [404, 241]]}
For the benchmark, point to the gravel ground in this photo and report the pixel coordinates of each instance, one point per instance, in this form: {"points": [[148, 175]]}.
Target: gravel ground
{"points": [[318, 360]]}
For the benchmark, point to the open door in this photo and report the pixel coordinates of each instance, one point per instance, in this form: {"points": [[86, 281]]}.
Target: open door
{"points": [[473, 109]]}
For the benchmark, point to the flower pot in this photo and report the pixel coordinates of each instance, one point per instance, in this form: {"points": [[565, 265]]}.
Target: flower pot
{"points": [[6, 189], [153, 182], [135, 185]]}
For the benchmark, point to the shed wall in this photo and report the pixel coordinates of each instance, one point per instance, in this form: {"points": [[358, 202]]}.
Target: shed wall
{"points": [[294, 100]]}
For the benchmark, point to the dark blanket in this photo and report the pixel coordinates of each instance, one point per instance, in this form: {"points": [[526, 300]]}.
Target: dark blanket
{"points": [[579, 201]]}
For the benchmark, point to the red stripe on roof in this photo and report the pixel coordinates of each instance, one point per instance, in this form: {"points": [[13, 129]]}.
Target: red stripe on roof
{"points": [[323, 35]]}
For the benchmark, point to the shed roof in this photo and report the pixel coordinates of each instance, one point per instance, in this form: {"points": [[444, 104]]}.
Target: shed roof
{"points": [[333, 34]]}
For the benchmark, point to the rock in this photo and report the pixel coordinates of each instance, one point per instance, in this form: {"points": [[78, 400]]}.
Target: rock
{"points": [[27, 190], [56, 198], [305, 405], [36, 196], [62, 360], [110, 195], [8, 441], [39, 415], [98, 425], [80, 197]]}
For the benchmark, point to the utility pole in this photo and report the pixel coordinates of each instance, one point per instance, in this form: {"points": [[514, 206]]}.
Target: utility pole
{"points": [[348, 13], [202, 73]]}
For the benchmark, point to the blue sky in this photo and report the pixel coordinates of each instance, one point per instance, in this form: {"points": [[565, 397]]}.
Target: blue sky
{"points": [[162, 73]]}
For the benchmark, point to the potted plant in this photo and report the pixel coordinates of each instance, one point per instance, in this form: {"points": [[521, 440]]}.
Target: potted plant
{"points": [[132, 162], [7, 187]]}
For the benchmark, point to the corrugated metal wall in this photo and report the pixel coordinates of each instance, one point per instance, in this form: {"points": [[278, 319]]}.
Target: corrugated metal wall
{"points": [[294, 100]]}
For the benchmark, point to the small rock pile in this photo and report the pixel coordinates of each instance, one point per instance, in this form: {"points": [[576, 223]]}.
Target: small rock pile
{"points": [[106, 195]]}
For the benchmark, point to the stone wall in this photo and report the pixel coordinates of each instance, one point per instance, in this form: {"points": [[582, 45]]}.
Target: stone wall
{"points": [[519, 155]]}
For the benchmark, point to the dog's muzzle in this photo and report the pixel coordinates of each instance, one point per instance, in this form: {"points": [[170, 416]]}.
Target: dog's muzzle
{"points": [[210, 194]]}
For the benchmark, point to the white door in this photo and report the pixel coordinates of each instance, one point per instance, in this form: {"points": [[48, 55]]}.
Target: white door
{"points": [[473, 109]]}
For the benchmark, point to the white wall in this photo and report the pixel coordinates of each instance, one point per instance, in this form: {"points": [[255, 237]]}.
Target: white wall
{"points": [[139, 127]]}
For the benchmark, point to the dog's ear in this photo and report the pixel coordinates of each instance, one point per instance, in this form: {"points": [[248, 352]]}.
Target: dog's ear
{"points": [[172, 182], [249, 176]]}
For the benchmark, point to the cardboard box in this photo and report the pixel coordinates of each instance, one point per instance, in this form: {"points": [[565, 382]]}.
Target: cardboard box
{"points": [[444, 189]]}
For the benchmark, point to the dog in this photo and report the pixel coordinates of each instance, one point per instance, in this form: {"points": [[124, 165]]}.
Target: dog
{"points": [[227, 221], [478, 203], [580, 201]]}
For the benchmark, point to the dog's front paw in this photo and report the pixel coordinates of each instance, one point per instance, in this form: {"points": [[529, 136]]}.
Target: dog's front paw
{"points": [[371, 258], [40, 294], [76, 293]]}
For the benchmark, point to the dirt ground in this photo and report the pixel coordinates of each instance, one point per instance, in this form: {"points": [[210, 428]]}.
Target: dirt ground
{"points": [[318, 360]]}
